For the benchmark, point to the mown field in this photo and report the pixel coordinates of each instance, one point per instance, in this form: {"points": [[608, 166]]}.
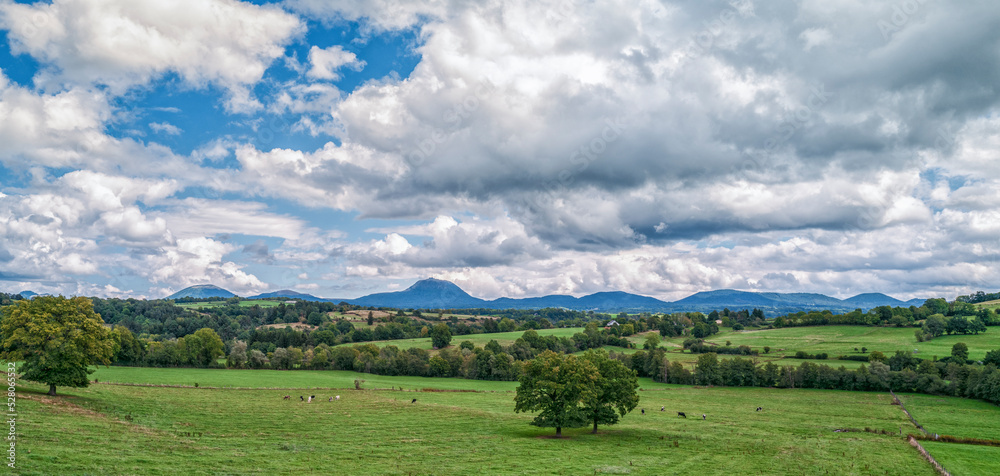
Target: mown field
{"points": [[114, 429], [963, 418]]}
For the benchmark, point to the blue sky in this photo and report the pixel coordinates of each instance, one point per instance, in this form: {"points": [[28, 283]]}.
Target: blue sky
{"points": [[515, 148]]}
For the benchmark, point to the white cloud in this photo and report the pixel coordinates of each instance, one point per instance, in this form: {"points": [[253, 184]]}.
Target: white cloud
{"points": [[194, 217], [198, 261], [165, 128], [326, 62], [122, 43], [378, 14]]}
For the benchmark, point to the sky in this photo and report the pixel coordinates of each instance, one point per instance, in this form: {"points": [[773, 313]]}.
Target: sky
{"points": [[515, 148]]}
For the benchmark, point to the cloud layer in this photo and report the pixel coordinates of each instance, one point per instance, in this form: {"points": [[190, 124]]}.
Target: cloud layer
{"points": [[662, 148]]}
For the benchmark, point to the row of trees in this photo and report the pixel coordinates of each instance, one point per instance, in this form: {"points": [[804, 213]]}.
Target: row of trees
{"points": [[937, 325], [892, 316], [901, 372], [491, 362]]}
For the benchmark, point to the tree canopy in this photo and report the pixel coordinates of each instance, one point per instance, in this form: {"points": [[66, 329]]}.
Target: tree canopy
{"points": [[57, 338], [440, 336], [616, 390], [554, 385], [571, 392]]}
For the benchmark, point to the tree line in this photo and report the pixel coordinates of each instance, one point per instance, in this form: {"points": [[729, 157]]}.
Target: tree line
{"points": [[938, 310], [903, 372]]}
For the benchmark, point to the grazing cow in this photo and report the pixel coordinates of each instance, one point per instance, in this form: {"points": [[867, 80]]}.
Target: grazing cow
{"points": [[311, 397], [643, 411], [413, 401], [663, 408], [330, 400], [681, 414], [337, 397], [759, 408], [703, 416], [301, 399], [287, 397]]}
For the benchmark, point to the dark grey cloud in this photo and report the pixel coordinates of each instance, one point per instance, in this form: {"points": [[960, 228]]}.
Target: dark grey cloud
{"points": [[258, 252]]}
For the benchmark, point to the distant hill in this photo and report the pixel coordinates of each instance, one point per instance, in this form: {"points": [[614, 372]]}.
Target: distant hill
{"points": [[552, 300], [28, 294], [618, 300], [870, 300], [202, 291], [287, 293], [424, 294]]}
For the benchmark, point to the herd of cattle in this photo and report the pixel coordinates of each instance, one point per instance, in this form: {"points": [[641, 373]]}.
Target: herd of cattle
{"points": [[337, 397], [311, 397]]}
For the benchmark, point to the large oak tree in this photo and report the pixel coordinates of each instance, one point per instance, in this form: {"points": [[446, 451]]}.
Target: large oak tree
{"points": [[554, 385], [58, 338]]}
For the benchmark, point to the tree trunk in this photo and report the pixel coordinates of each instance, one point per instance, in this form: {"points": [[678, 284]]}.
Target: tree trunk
{"points": [[595, 427], [558, 431], [52, 390]]}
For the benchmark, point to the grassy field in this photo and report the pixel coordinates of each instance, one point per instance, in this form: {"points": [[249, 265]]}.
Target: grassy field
{"points": [[833, 340], [954, 416], [480, 340], [243, 303], [841, 340], [989, 304], [958, 417], [965, 459], [163, 430]]}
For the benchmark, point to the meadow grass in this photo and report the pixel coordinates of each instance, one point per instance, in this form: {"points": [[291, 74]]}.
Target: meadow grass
{"points": [[958, 417], [995, 304], [965, 459], [244, 303], [954, 416], [111, 429], [841, 340], [479, 340]]}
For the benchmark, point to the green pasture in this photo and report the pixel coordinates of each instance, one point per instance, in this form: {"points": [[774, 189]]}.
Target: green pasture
{"points": [[244, 303], [958, 417], [962, 460], [298, 379], [954, 416], [841, 340], [114, 429], [480, 340], [833, 340], [989, 304]]}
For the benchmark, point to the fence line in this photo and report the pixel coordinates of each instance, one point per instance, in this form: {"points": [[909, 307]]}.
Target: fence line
{"points": [[940, 469], [903, 407], [913, 441]]}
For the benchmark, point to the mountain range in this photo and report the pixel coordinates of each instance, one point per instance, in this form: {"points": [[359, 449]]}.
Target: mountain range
{"points": [[439, 294]]}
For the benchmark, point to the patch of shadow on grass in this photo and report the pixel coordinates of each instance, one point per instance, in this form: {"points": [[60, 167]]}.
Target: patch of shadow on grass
{"points": [[62, 404]]}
